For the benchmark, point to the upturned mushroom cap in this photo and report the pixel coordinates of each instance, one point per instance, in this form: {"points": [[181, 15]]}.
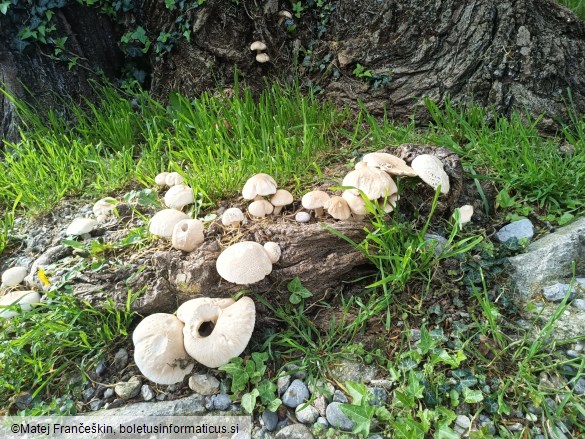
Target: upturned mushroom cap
{"points": [[13, 276], [174, 178], [185, 311], [273, 250], [371, 181], [104, 207], [179, 196], [262, 58], [315, 200], [187, 235], [244, 263], [213, 336], [258, 46], [23, 298], [260, 208], [81, 226], [388, 163], [259, 185], [430, 170], [355, 202], [159, 352], [161, 179], [465, 213], [338, 208], [232, 217], [163, 223]]}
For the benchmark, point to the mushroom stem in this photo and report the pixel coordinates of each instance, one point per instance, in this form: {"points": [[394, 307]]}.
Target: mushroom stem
{"points": [[276, 210], [85, 236], [319, 211], [358, 217]]}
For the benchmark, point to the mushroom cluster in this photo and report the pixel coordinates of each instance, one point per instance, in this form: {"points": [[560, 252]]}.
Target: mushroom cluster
{"points": [[210, 331], [259, 47]]}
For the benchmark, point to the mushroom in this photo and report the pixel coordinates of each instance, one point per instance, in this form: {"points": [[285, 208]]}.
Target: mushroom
{"points": [[179, 196], [259, 47], [163, 223], [174, 178], [273, 250], [338, 208], [244, 263], [465, 214], [232, 217], [258, 186], [280, 199], [161, 179], [260, 208], [388, 163], [23, 298], [186, 309], [262, 58], [81, 227], [302, 217], [187, 235], [159, 351], [430, 170], [315, 200], [371, 181], [214, 335], [356, 203], [104, 207], [13, 276]]}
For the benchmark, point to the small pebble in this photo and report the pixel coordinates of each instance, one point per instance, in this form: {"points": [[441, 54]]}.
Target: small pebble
{"points": [[338, 396], [579, 304], [222, 402], [463, 422], [108, 393], [514, 427], [320, 403], [296, 394], [88, 393], [101, 368], [204, 384], [337, 418], [282, 384], [269, 420], [579, 387], [557, 292], [120, 359], [298, 372], [146, 392], [161, 396], [306, 414], [377, 396], [96, 404], [295, 431], [415, 335], [302, 217], [322, 421], [531, 417], [129, 389], [114, 404]]}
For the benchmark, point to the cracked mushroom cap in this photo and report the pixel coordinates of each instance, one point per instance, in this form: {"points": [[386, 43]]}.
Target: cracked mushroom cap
{"points": [[81, 226], [260, 208], [23, 298], [430, 170], [187, 235], [244, 263], [13, 276], [371, 181], [338, 208], [159, 352], [161, 179], [232, 217], [179, 196], [174, 178], [259, 185], [163, 223], [388, 163], [214, 335]]}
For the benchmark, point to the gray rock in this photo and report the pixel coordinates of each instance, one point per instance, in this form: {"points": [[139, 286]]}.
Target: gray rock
{"points": [[579, 387], [23, 401], [120, 359], [375, 436], [320, 403], [96, 404], [579, 346], [242, 435], [437, 241], [109, 392], [161, 396], [269, 420], [322, 421], [415, 335], [338, 396], [118, 402], [209, 402], [101, 368], [573, 354], [296, 371], [282, 384], [514, 427], [296, 394], [295, 431], [337, 418], [385, 384], [518, 229], [204, 384], [88, 393], [191, 406], [549, 259], [579, 304], [557, 292], [222, 402], [306, 414], [347, 370], [377, 396], [146, 392], [463, 422], [128, 389]]}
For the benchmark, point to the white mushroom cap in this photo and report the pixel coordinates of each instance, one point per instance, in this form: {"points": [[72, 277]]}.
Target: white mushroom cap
{"points": [[23, 298], [273, 250], [262, 58], [281, 198], [13, 276], [159, 352], [174, 178], [244, 263], [187, 235], [302, 217], [371, 181], [315, 200], [260, 208], [185, 311], [161, 179], [356, 203], [259, 185], [213, 336], [430, 170], [232, 217], [163, 223], [465, 214], [104, 207], [81, 226], [338, 208], [388, 163], [258, 46], [285, 14], [179, 196]]}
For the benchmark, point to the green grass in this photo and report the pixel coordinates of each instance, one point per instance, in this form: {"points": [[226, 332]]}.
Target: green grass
{"points": [[577, 6]]}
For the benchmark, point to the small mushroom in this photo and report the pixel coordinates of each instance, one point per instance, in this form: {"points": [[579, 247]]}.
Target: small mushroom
{"points": [[232, 217], [187, 235], [23, 298], [159, 351], [315, 200], [244, 263], [259, 185], [13, 276], [388, 163], [161, 179], [273, 250], [214, 335], [430, 170], [259, 47], [173, 179], [262, 58], [465, 214], [179, 196], [356, 204], [81, 227], [104, 207], [163, 223], [338, 208], [260, 208], [280, 199]]}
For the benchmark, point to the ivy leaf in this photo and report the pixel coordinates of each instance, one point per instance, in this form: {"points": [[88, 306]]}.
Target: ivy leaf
{"points": [[249, 401], [472, 396], [4, 7], [357, 391], [445, 432], [298, 290], [360, 415]]}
